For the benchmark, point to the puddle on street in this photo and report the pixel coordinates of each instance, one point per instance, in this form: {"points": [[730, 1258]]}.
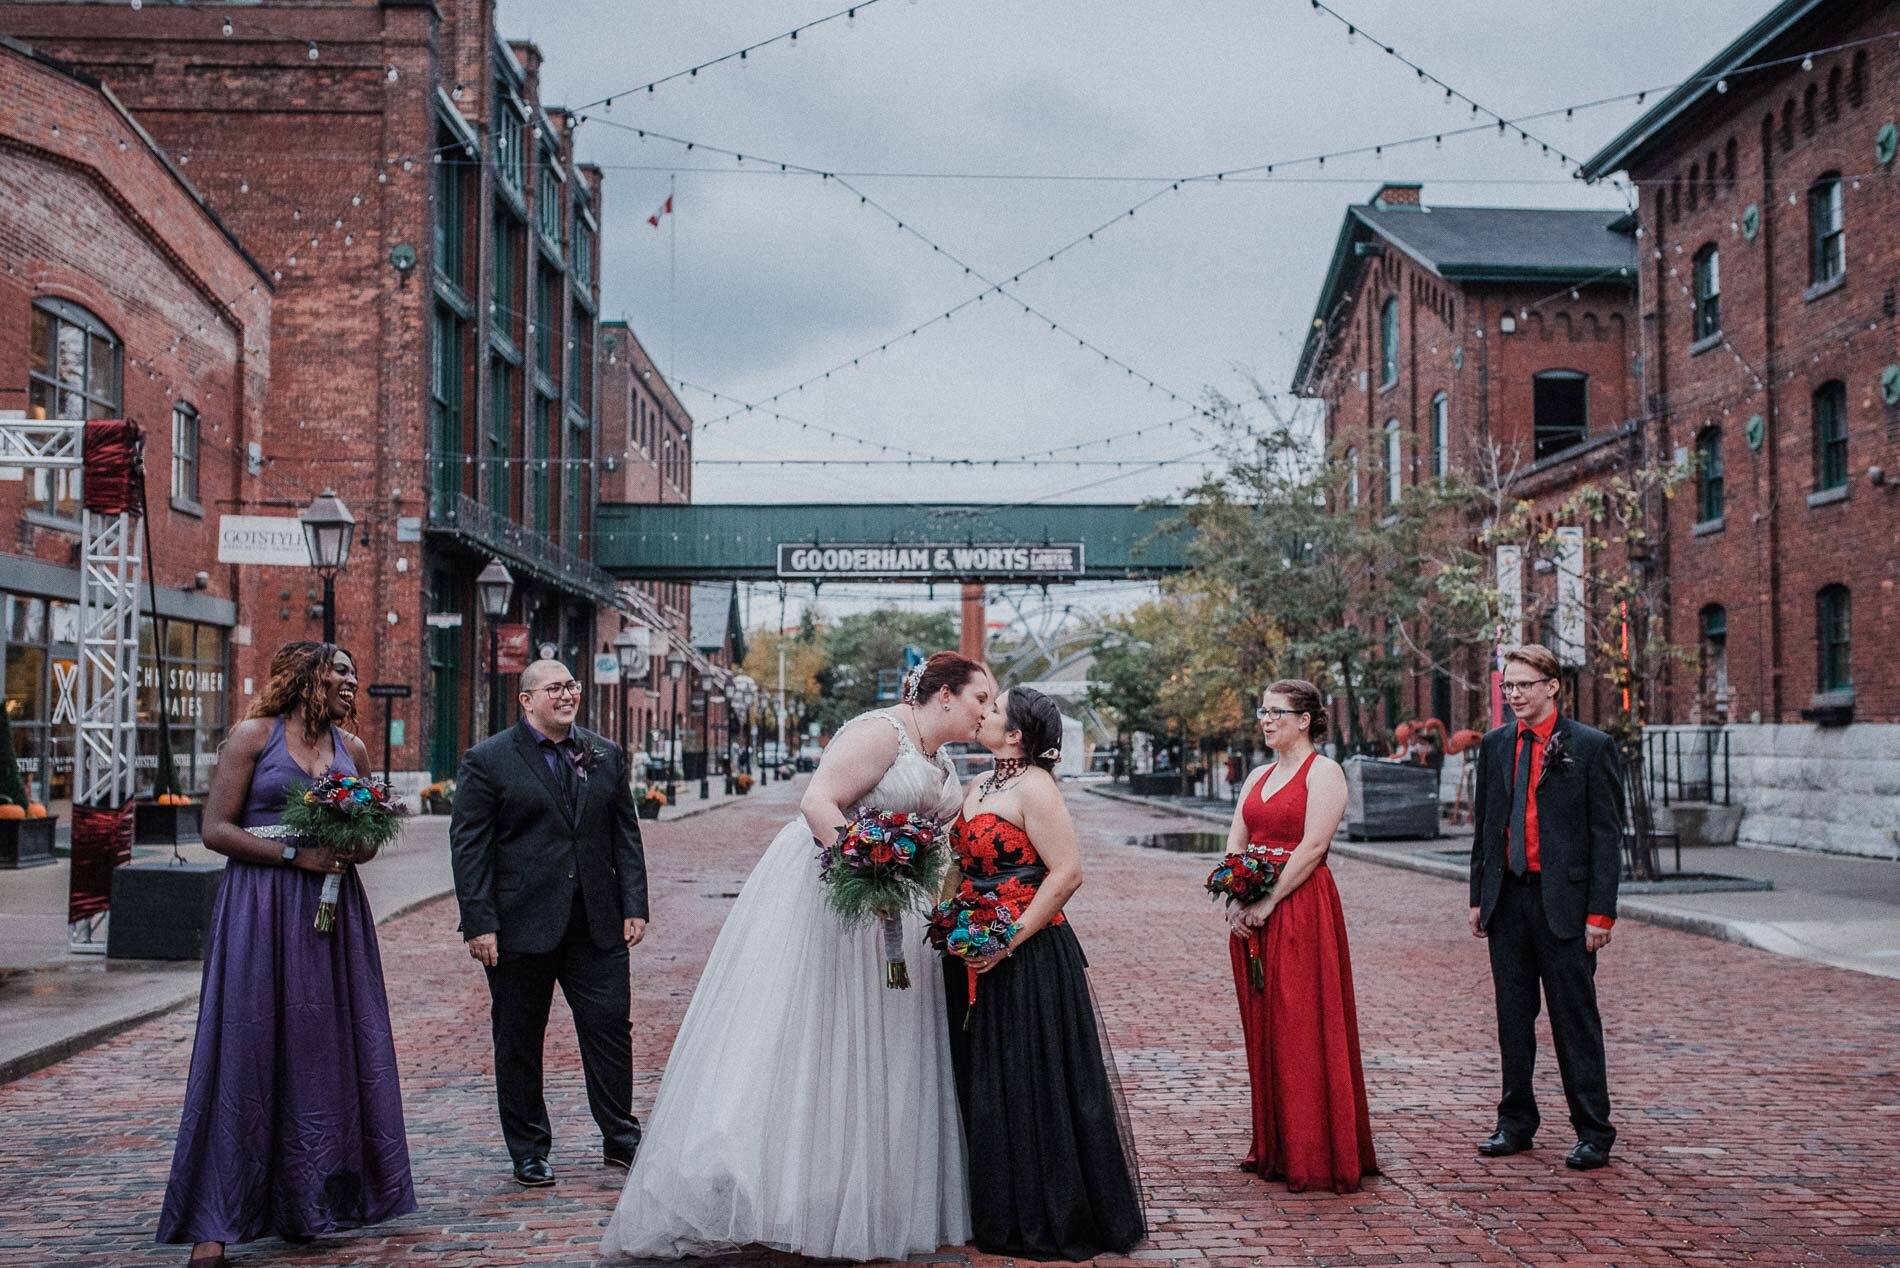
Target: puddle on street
{"points": [[1183, 842]]}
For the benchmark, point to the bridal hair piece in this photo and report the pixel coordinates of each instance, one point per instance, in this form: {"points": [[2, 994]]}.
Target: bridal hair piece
{"points": [[1051, 755], [908, 695]]}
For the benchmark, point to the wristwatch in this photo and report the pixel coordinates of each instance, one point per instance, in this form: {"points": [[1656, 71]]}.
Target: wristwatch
{"points": [[290, 854]]}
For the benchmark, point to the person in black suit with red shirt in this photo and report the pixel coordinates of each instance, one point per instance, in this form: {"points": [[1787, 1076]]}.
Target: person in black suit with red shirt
{"points": [[551, 880], [1546, 856]]}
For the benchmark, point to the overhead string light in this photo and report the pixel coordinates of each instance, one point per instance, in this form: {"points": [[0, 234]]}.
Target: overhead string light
{"points": [[690, 73]]}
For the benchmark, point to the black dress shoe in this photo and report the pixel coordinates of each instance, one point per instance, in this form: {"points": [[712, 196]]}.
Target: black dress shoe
{"points": [[1587, 1157], [617, 1158], [534, 1173], [1502, 1145]]}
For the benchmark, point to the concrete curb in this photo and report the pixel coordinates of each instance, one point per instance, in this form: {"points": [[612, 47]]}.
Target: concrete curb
{"points": [[1648, 911]]}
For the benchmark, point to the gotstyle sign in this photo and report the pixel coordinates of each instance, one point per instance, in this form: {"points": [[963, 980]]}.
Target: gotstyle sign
{"points": [[931, 561]]}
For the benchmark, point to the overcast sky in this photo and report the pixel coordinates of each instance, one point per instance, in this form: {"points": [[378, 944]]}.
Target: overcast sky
{"points": [[774, 278]]}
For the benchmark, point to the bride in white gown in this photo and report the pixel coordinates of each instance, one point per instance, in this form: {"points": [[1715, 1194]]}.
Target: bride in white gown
{"points": [[806, 1106]]}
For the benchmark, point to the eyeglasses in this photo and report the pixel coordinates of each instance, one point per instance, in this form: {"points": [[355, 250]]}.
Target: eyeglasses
{"points": [[1264, 712], [1520, 688], [555, 690]]}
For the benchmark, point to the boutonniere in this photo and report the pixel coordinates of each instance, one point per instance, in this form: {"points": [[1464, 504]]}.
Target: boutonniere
{"points": [[1556, 756], [592, 755]]}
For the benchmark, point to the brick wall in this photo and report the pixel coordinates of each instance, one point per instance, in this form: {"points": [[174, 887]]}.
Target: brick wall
{"points": [[1778, 540]]}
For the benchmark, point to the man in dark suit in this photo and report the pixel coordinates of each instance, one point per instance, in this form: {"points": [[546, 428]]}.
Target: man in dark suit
{"points": [[1546, 855], [552, 884]]}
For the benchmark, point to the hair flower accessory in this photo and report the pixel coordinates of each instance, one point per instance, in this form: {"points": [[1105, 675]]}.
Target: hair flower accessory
{"points": [[911, 682], [1051, 755]]}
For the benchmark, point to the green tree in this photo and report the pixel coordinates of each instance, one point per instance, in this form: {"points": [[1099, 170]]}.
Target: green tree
{"points": [[1314, 573], [857, 646], [804, 662]]}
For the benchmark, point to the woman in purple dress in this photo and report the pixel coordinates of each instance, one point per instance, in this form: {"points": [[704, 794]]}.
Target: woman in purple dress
{"points": [[293, 1113]]}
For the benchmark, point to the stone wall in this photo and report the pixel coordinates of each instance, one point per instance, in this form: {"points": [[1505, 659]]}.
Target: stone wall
{"points": [[1834, 789]]}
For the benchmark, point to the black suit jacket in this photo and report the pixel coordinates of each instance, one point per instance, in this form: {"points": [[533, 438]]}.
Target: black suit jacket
{"points": [[519, 855], [1579, 825]]}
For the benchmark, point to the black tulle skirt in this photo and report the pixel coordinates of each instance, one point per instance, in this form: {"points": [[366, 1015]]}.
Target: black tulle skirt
{"points": [[1052, 1164]]}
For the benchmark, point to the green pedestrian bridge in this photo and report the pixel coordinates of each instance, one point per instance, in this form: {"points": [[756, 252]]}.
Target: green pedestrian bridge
{"points": [[881, 541]]}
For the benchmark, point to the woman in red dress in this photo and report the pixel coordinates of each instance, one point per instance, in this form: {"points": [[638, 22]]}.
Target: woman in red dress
{"points": [[1310, 1124]]}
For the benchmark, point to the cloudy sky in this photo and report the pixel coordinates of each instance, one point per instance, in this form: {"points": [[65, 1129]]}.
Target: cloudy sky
{"points": [[971, 120]]}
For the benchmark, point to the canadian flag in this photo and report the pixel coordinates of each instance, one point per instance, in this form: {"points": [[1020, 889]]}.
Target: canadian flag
{"points": [[666, 209]]}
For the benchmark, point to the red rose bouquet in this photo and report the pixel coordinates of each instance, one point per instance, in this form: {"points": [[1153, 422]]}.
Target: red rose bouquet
{"points": [[1243, 880], [883, 864], [352, 816]]}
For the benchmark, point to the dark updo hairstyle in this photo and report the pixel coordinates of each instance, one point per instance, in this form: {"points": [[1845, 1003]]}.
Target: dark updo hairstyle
{"points": [[1040, 722], [1304, 697], [943, 669]]}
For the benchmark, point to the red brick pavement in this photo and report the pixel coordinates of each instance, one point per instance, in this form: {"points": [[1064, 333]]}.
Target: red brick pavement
{"points": [[1758, 1098]]}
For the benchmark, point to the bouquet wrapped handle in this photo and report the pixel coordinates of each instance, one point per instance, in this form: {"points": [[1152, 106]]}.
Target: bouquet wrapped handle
{"points": [[896, 972], [326, 902]]}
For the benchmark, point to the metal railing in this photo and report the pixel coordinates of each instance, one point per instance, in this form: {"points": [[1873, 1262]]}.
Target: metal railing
{"points": [[1686, 764], [481, 526]]}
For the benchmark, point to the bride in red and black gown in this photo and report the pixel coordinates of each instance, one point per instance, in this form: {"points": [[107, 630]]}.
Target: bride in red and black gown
{"points": [[1051, 1163], [1310, 1123]]}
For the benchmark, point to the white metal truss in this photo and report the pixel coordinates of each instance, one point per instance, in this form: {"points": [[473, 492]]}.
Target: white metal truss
{"points": [[110, 568]]}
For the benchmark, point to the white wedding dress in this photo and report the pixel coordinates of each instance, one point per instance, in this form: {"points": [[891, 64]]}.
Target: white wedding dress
{"points": [[806, 1106]]}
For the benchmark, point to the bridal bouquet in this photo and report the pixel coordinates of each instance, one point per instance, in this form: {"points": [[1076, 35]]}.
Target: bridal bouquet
{"points": [[352, 816], [884, 863], [1245, 879], [973, 926]]}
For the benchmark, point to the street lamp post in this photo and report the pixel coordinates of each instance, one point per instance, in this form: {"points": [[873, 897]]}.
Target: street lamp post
{"points": [[328, 528], [675, 667], [706, 689], [495, 587], [627, 649], [744, 693]]}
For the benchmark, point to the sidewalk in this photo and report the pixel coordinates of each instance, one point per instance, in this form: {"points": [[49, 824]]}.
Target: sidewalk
{"points": [[1829, 908], [54, 1003]]}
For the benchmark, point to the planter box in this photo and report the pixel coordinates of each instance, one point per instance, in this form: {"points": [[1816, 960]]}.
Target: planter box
{"points": [[27, 842], [162, 911], [1390, 801], [647, 809], [154, 824]]}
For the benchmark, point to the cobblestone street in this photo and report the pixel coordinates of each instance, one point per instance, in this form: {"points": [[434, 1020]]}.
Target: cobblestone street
{"points": [[1758, 1098]]}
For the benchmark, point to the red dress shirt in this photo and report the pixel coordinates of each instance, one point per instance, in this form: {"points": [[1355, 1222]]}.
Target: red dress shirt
{"points": [[1542, 731]]}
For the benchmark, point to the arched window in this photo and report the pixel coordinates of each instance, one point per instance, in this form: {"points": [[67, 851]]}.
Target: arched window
{"points": [[1708, 292], [1560, 411], [1827, 230], [1714, 659], [1728, 163], [1709, 475], [1389, 343], [1441, 436], [1695, 184], [1829, 412], [1352, 477], [1857, 79], [1831, 104], [73, 372], [1394, 471], [1808, 100], [1787, 124], [1833, 639], [184, 454]]}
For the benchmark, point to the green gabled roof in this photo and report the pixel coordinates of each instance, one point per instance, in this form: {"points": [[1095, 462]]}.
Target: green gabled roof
{"points": [[1474, 244], [1753, 43]]}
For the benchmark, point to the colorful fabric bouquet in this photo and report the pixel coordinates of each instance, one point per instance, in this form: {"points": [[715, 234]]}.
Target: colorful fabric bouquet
{"points": [[352, 816], [883, 864], [1243, 880], [973, 926]]}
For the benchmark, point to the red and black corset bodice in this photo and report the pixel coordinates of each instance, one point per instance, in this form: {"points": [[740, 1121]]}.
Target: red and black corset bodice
{"points": [[997, 857]]}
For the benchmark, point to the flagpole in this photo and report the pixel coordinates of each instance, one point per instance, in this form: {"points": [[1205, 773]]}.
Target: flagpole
{"points": [[673, 282]]}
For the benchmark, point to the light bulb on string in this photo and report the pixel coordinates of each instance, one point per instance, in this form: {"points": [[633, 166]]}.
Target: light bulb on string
{"points": [[850, 19], [137, 5], [1807, 63], [311, 51], [226, 28], [391, 75]]}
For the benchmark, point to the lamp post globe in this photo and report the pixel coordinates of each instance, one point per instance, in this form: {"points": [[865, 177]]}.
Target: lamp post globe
{"points": [[494, 589], [675, 669], [328, 530], [627, 648]]}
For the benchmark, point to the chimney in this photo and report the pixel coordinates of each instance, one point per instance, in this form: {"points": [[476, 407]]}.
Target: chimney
{"points": [[1395, 195]]}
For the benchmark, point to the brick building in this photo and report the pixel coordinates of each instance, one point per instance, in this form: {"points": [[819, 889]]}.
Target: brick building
{"points": [[646, 439], [1770, 256], [124, 295], [1445, 333], [434, 250]]}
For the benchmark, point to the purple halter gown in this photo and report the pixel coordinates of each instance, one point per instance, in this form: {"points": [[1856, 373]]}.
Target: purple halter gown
{"points": [[293, 1112]]}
